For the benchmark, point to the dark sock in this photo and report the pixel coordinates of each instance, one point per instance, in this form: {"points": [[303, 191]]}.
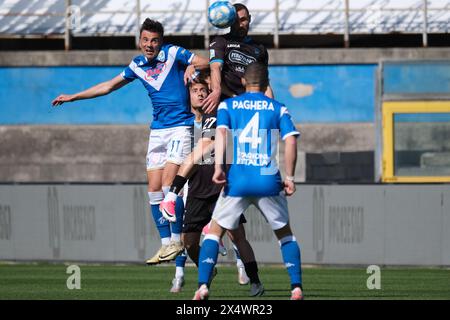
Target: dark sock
{"points": [[177, 184], [251, 268]]}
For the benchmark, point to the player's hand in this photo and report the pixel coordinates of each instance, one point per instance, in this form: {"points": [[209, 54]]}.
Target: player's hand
{"points": [[190, 74], [211, 102], [63, 98], [219, 176], [289, 187]]}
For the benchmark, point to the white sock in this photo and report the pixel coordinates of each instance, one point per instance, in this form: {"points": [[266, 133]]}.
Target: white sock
{"points": [[171, 196], [176, 237], [165, 241], [239, 263], [179, 272]]}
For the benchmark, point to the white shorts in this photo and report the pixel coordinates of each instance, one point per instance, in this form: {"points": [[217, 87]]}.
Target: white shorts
{"points": [[229, 209], [168, 145]]}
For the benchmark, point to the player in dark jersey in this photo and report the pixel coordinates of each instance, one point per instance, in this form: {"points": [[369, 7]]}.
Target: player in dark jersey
{"points": [[230, 55], [201, 199]]}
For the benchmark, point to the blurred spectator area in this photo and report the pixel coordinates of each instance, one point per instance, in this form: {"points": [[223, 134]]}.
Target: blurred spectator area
{"points": [[55, 24]]}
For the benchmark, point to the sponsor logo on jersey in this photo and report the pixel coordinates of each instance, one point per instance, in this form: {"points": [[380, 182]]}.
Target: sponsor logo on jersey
{"points": [[233, 45], [153, 73], [253, 105], [240, 69], [241, 58], [212, 53], [256, 159]]}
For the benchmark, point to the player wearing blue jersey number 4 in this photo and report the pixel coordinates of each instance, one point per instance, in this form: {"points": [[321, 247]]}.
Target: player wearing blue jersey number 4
{"points": [[201, 198], [164, 70], [255, 123]]}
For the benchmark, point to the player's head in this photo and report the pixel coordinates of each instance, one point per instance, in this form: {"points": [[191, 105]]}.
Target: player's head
{"points": [[198, 91], [151, 38], [256, 76], [242, 24]]}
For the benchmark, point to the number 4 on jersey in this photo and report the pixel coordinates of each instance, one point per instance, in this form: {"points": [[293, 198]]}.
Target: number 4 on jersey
{"points": [[250, 134]]}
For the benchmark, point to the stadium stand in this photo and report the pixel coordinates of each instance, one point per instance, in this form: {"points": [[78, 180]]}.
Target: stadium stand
{"points": [[280, 23]]}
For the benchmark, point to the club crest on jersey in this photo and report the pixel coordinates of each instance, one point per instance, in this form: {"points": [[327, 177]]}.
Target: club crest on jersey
{"points": [[161, 56], [153, 73]]}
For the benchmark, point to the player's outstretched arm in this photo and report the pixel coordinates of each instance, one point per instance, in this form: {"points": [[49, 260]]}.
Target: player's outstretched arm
{"points": [[212, 100], [290, 159], [204, 147], [98, 90]]}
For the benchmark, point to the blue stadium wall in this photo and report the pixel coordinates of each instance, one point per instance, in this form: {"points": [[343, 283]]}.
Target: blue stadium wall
{"points": [[313, 94]]}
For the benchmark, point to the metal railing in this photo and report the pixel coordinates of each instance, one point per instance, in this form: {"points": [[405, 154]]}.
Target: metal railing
{"points": [[339, 17]]}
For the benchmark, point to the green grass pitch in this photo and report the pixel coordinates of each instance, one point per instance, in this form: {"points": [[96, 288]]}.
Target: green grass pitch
{"points": [[48, 281]]}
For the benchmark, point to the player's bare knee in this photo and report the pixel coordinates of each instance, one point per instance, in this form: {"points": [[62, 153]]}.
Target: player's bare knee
{"points": [[154, 188], [283, 232], [154, 180], [154, 184], [216, 229]]}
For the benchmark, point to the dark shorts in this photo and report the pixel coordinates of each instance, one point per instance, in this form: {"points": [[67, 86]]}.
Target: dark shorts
{"points": [[198, 213]]}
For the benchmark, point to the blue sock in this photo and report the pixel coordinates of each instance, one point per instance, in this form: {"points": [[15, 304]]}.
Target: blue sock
{"points": [[177, 227], [180, 260], [162, 224], [292, 260], [208, 258]]}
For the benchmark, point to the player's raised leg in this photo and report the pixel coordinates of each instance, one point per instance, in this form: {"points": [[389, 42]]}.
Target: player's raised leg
{"points": [[156, 195], [178, 148], [176, 246]]}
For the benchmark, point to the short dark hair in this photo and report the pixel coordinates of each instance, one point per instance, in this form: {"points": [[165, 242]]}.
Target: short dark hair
{"points": [[240, 6], [202, 77], [152, 26], [257, 74]]}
